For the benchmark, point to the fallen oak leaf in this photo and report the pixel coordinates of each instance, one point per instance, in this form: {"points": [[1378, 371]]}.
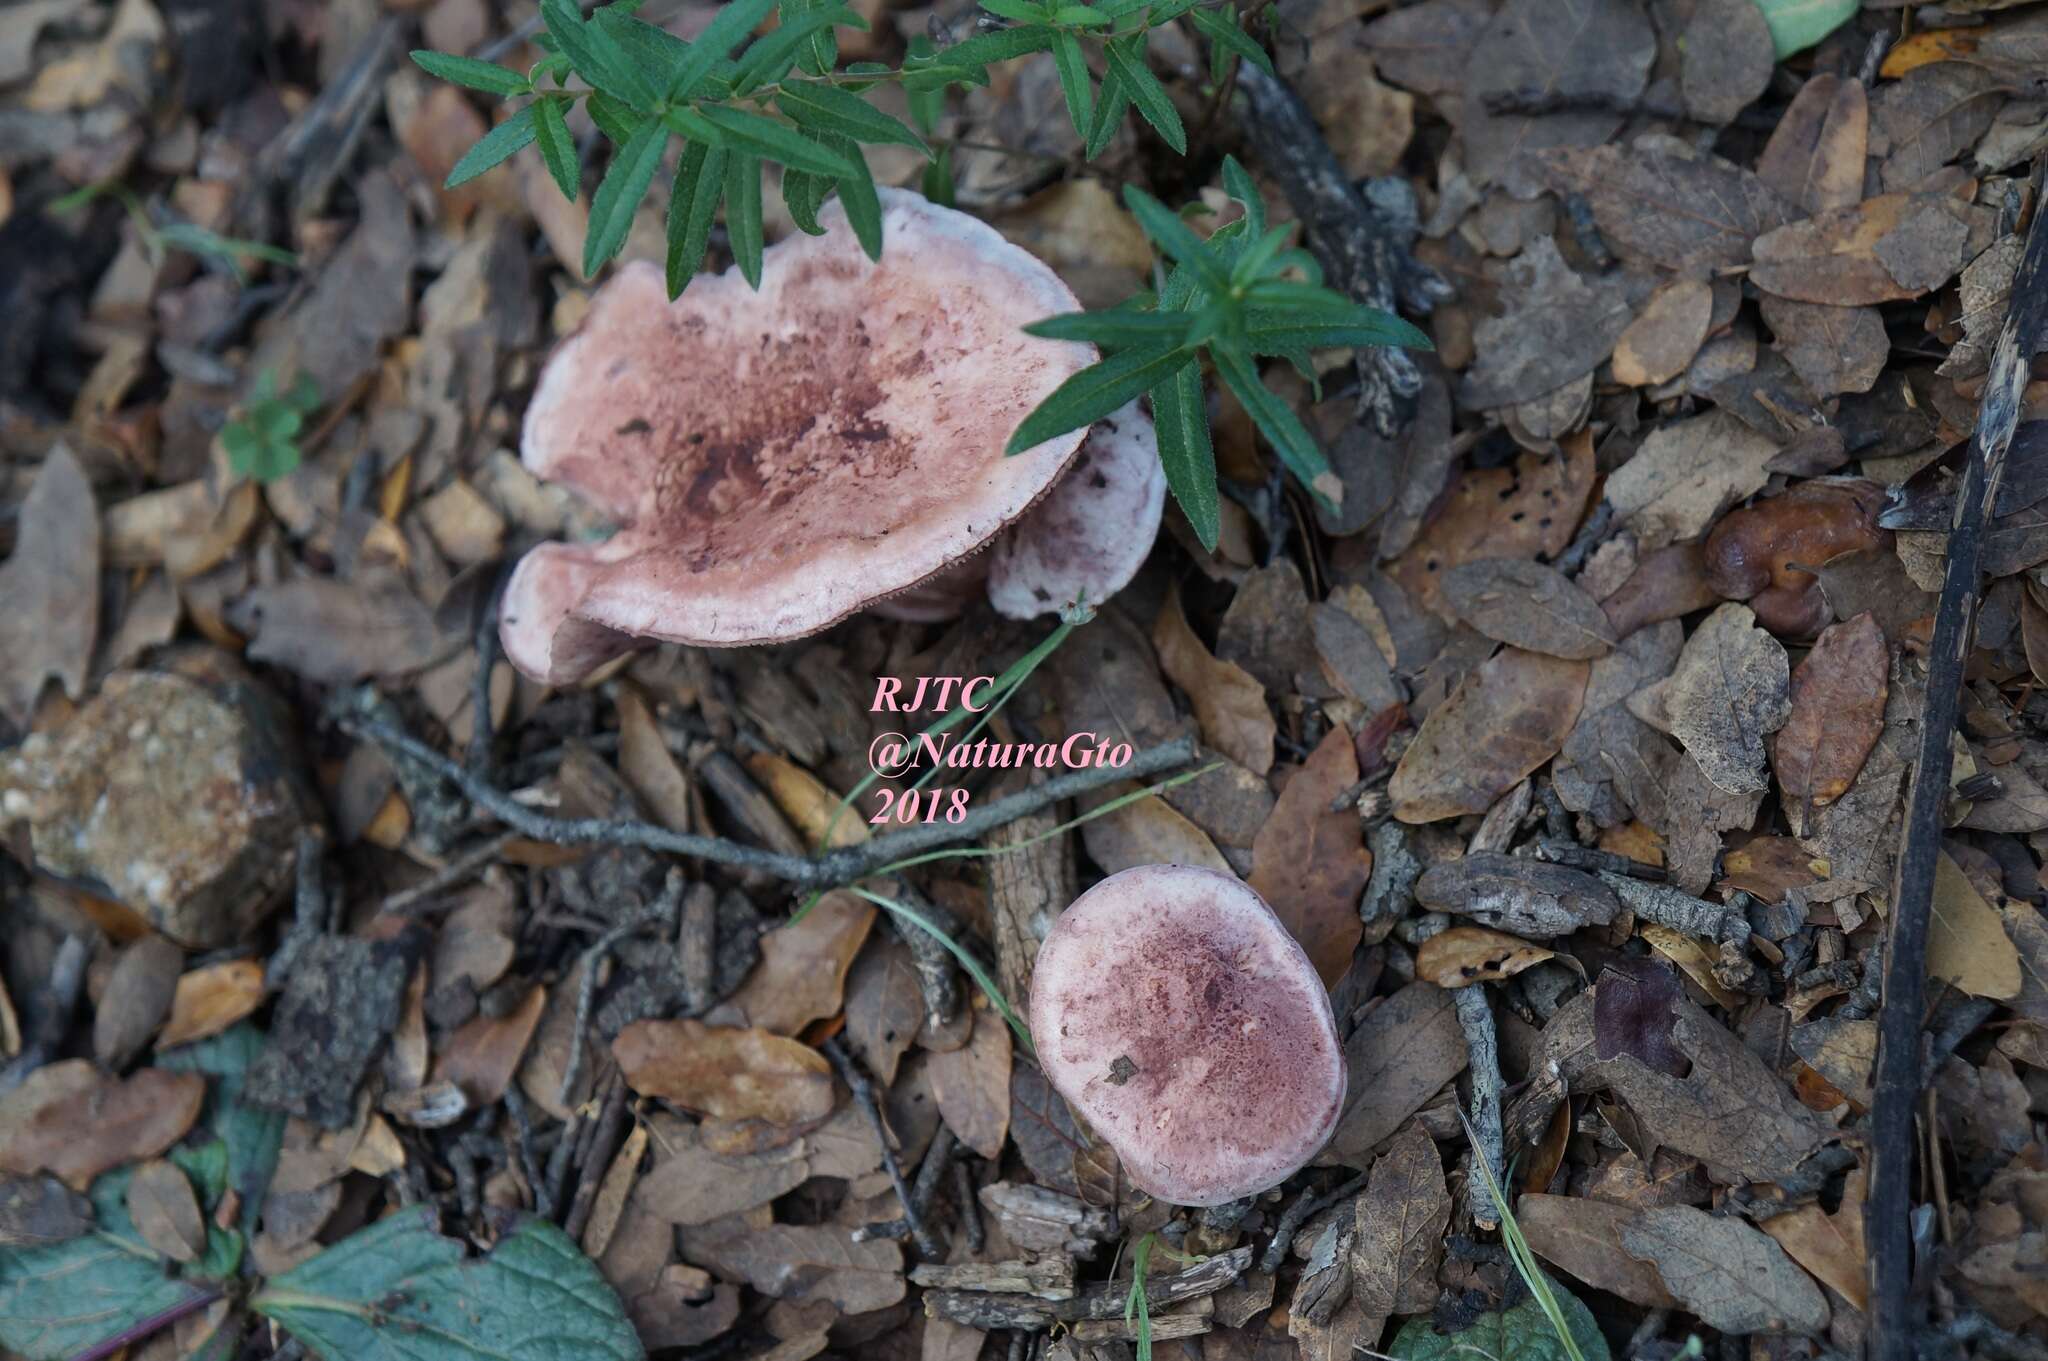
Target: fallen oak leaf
{"points": [[726, 1071], [1731, 1275], [1229, 702], [1310, 863], [1463, 955], [51, 585], [70, 1119], [1729, 691], [1529, 605], [1836, 715], [208, 1000], [1506, 718]]}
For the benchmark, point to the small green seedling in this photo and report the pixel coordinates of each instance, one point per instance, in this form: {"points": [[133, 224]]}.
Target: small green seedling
{"points": [[189, 237], [263, 439]]}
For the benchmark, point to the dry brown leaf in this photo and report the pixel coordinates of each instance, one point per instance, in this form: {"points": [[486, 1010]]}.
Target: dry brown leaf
{"points": [[1578, 47], [1665, 204], [1832, 349], [1310, 864], [811, 808], [1728, 1273], [802, 973], [806, 1262], [481, 1057], [1966, 940], [1080, 228], [1369, 122], [884, 1007], [1463, 955], [1726, 57], [613, 1192], [1667, 333], [1423, 47], [476, 941], [1837, 714], [334, 631], [1400, 1056], [1692, 956], [972, 1085], [70, 1119], [1583, 1236], [51, 584], [39, 1210], [1147, 831], [1400, 1220], [1557, 327], [1529, 605], [465, 527], [165, 1211], [1506, 718], [1685, 474], [725, 1071], [648, 766], [1814, 157], [1230, 703], [1729, 692], [136, 1000], [1883, 249], [1829, 1246]]}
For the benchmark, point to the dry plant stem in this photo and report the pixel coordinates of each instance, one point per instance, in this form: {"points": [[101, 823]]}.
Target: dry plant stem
{"points": [[53, 1018], [829, 869], [937, 1159], [1482, 1049], [864, 1096], [1306, 1206], [309, 910], [661, 912], [1363, 258], [456, 871], [148, 1327], [1667, 906], [1100, 1300], [597, 1159], [480, 730], [1896, 1315]]}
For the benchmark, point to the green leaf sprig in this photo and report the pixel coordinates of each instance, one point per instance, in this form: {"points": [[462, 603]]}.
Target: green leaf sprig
{"points": [[262, 440]]}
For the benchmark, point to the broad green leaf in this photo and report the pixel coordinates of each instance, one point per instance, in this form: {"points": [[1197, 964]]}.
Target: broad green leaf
{"points": [[494, 146], [1110, 102], [700, 181], [1176, 238], [252, 1135], [769, 140], [619, 194], [1001, 45], [857, 195], [557, 148], [1154, 104], [1227, 35], [1113, 326], [734, 22], [743, 214], [803, 194], [1518, 1334], [401, 1291], [59, 1299], [1018, 11], [1095, 392], [1074, 83], [477, 75], [597, 55], [1798, 24], [1180, 416], [1274, 418], [825, 108]]}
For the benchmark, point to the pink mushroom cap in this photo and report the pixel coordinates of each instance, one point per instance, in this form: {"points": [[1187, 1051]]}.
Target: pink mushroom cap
{"points": [[781, 460], [1181, 1020]]}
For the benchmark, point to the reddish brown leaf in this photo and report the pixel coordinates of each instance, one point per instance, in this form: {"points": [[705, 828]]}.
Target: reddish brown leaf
{"points": [[1309, 864], [1229, 702], [972, 1086], [725, 1071], [1838, 696], [71, 1119], [802, 973], [1815, 154], [1505, 719], [1473, 954]]}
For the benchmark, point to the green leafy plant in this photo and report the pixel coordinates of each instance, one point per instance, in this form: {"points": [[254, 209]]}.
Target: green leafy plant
{"points": [[262, 439], [1137, 1305], [1228, 300], [735, 104], [189, 237]]}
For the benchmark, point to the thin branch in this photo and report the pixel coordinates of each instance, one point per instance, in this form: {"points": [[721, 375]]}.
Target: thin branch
{"points": [[155, 1323], [864, 1096]]}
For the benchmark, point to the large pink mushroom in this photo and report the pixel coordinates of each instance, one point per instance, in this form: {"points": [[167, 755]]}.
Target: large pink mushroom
{"points": [[1181, 1020], [780, 460]]}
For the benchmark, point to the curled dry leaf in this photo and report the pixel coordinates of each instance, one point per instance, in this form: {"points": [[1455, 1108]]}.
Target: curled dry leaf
{"points": [[725, 1071], [165, 1211], [51, 585], [1769, 553], [1728, 1273], [1506, 718], [209, 1000], [1529, 605], [1230, 703], [1310, 864], [1729, 691], [72, 1120], [802, 973], [1838, 695], [1465, 955]]}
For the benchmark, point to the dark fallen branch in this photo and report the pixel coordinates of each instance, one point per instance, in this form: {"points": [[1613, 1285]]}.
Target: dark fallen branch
{"points": [[1897, 1316], [844, 865], [1361, 251], [1537, 102], [863, 1090]]}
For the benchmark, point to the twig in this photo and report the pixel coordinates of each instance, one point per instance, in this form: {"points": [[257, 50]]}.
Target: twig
{"points": [[661, 912], [53, 1018], [864, 1096], [480, 726], [1895, 1312], [454, 872], [1362, 254], [937, 1159], [1667, 906], [970, 1212], [597, 1158], [1306, 1206], [844, 865], [1482, 1050], [1538, 102]]}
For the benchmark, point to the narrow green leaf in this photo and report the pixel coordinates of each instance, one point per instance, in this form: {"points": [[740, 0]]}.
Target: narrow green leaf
{"points": [[624, 185], [1252, 260], [1176, 238], [937, 181], [720, 36], [1081, 16], [1095, 392], [1074, 83], [1110, 102], [926, 105], [557, 147], [596, 55], [477, 75], [769, 140], [1119, 9], [1154, 104], [1019, 11], [649, 48], [1280, 337], [831, 110], [1001, 45], [857, 195], [615, 118], [820, 50], [1225, 33], [1114, 326], [496, 145], [1164, 12], [743, 215], [700, 180], [1274, 418], [1180, 416], [794, 42], [804, 193]]}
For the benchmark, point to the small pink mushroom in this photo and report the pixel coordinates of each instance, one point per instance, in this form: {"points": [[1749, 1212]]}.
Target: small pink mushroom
{"points": [[1182, 1021], [779, 461]]}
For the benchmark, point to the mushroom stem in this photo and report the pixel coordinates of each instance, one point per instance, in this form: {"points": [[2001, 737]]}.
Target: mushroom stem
{"points": [[844, 865]]}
